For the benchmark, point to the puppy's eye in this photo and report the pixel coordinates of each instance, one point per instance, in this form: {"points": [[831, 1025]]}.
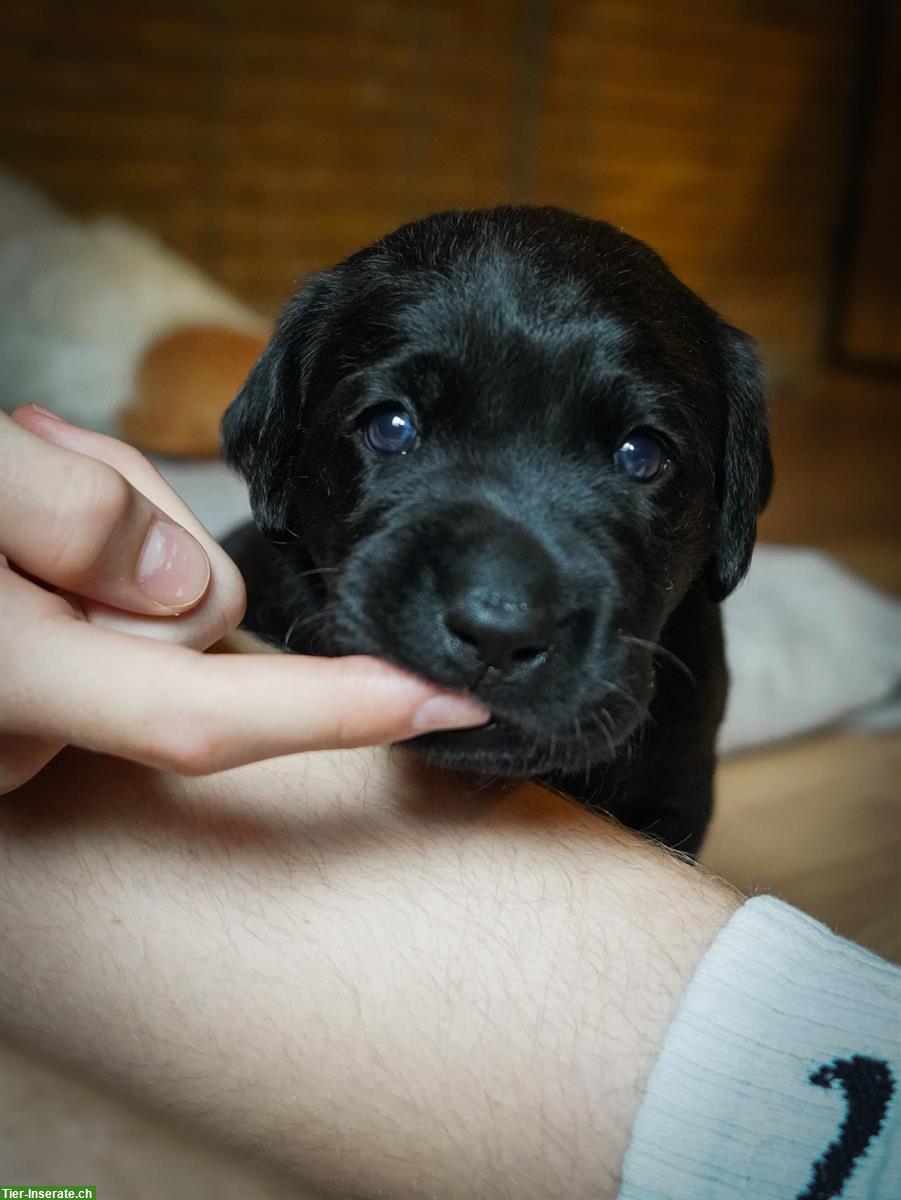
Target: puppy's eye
{"points": [[641, 457], [389, 431]]}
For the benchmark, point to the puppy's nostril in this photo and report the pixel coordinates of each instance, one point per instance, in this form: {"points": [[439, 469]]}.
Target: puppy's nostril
{"points": [[503, 632], [526, 653]]}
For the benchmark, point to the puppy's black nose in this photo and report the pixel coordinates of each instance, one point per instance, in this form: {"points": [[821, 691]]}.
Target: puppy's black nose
{"points": [[504, 629], [501, 594]]}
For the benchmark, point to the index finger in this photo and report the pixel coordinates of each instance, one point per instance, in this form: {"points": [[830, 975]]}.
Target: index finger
{"points": [[171, 707]]}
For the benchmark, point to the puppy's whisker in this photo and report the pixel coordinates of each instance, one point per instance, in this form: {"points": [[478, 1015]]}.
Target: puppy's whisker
{"points": [[486, 782], [315, 571], [581, 749], [295, 537], [536, 744], [587, 755], [581, 746], [640, 708], [572, 746], [304, 621], [603, 723], [656, 648], [580, 743]]}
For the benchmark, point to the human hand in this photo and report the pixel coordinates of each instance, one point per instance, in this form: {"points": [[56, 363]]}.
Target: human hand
{"points": [[110, 587]]}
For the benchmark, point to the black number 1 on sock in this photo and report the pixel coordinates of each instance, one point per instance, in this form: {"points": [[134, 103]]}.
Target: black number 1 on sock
{"points": [[868, 1086]]}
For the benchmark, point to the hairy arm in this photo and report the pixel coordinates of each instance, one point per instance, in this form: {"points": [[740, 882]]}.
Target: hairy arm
{"points": [[388, 984]]}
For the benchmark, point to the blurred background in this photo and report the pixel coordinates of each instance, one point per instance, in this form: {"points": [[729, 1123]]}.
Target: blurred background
{"points": [[753, 142], [756, 144]]}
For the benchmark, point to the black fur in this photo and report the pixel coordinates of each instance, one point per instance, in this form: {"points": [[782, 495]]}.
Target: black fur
{"points": [[526, 343]]}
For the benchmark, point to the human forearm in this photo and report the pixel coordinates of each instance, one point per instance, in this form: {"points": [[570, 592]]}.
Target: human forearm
{"points": [[353, 966]]}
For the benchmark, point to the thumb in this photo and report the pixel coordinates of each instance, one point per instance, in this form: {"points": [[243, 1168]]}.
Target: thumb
{"points": [[78, 524]]}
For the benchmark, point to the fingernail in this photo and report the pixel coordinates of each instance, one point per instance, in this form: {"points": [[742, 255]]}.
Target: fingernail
{"points": [[449, 712], [45, 412], [173, 569]]}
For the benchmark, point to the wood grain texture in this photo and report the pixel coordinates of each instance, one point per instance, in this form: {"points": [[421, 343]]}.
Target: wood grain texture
{"points": [[715, 132], [873, 325], [818, 823], [263, 138], [835, 450]]}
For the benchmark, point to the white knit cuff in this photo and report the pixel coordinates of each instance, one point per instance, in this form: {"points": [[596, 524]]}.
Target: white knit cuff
{"points": [[780, 1076]]}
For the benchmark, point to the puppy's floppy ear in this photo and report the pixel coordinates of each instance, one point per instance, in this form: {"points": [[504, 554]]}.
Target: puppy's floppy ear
{"points": [[261, 430], [745, 477]]}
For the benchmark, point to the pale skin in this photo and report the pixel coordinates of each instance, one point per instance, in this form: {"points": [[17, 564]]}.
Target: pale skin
{"points": [[376, 976], [99, 647]]}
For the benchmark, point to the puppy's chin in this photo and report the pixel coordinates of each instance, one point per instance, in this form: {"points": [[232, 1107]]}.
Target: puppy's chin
{"points": [[513, 745], [501, 749]]}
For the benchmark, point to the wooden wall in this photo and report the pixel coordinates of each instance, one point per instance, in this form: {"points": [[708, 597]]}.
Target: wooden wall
{"points": [[868, 326], [262, 138]]}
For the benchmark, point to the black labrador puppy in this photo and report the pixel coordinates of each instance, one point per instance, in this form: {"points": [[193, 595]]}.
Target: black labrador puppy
{"points": [[509, 451]]}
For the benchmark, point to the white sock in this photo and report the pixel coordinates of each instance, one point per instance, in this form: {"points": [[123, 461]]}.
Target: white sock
{"points": [[780, 1076]]}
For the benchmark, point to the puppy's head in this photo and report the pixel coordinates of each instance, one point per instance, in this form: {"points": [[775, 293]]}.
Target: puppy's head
{"points": [[515, 441]]}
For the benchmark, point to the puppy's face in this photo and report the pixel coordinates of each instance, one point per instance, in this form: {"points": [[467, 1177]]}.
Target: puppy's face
{"points": [[514, 442]]}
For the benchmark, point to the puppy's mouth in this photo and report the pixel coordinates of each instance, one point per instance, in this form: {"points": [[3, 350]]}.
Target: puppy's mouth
{"points": [[537, 725], [502, 747]]}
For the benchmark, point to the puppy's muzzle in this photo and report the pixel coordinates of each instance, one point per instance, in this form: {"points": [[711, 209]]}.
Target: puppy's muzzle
{"points": [[502, 600]]}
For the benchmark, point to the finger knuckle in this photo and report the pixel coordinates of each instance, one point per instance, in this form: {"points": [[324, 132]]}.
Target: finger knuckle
{"points": [[122, 456], [226, 607], [234, 602], [95, 500], [188, 748], [110, 495], [346, 729]]}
